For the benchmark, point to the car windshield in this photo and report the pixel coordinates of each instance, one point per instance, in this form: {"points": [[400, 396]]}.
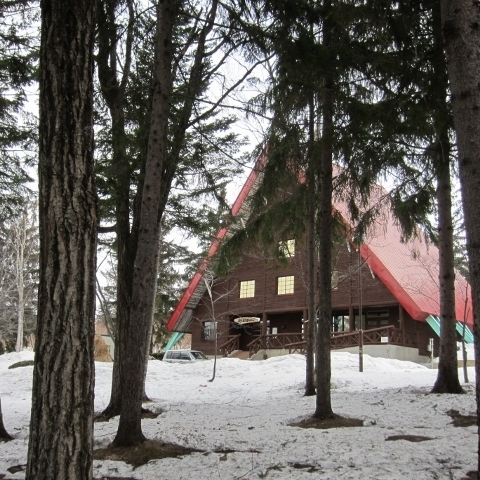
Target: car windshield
{"points": [[199, 355]]}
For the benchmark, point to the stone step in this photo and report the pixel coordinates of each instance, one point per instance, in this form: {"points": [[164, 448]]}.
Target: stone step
{"points": [[241, 354]]}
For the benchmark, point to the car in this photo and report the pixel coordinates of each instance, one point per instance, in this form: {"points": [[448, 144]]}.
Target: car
{"points": [[183, 356]]}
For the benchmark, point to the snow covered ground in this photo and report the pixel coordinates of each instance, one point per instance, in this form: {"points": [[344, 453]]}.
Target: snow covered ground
{"points": [[246, 412]]}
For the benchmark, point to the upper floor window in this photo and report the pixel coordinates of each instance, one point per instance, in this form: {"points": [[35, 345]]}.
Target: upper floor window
{"points": [[287, 247], [247, 289], [285, 285]]}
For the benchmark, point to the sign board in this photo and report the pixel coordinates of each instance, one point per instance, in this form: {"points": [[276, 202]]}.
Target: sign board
{"points": [[244, 320], [384, 339]]}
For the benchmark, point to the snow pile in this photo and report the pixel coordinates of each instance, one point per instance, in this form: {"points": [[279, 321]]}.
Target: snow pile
{"points": [[240, 421]]}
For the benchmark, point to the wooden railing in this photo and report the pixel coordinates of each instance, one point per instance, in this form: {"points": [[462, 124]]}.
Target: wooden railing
{"points": [[297, 347], [374, 336], [232, 344], [404, 338], [274, 341]]}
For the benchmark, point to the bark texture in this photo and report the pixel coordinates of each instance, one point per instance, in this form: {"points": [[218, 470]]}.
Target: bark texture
{"points": [[323, 367], [447, 379], [146, 259], [461, 33], [311, 250], [61, 428]]}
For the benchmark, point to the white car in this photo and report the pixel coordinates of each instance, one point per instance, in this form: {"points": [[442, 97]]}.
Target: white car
{"points": [[183, 356]]}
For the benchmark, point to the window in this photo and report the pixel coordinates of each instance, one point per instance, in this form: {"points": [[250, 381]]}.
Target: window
{"points": [[247, 289], [377, 318], [287, 247], [208, 331], [285, 285]]}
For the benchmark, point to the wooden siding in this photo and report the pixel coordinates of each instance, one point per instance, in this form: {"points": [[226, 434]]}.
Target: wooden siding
{"points": [[357, 283], [357, 286]]}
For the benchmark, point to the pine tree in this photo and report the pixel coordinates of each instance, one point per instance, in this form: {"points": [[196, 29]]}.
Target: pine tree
{"points": [[18, 64], [322, 52], [418, 86], [460, 20], [447, 379], [199, 143]]}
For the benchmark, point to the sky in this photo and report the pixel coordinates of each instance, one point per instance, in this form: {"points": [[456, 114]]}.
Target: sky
{"points": [[247, 410]]}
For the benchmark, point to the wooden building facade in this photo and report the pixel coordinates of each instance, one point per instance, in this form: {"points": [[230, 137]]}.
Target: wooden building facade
{"points": [[385, 289], [274, 305]]}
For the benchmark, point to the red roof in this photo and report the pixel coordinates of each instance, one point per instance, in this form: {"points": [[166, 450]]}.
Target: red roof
{"points": [[409, 270]]}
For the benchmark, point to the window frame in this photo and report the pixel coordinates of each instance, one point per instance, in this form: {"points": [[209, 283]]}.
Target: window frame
{"points": [[245, 287], [288, 283]]}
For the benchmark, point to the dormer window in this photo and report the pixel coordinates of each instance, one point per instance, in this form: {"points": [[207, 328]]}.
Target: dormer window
{"points": [[287, 248]]}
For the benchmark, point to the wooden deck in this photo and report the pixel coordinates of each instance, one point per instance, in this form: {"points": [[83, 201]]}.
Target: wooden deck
{"points": [[375, 336], [295, 342]]}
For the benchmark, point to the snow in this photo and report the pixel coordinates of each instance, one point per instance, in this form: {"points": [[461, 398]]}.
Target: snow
{"points": [[240, 421]]}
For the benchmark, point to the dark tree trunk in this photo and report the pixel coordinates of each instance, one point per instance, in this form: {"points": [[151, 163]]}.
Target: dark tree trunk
{"points": [[312, 320], [3, 433], [61, 427], [460, 21], [145, 266], [324, 229], [113, 92], [447, 378]]}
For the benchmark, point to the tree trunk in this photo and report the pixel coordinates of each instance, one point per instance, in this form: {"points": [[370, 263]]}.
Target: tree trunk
{"points": [[113, 91], [145, 266], [61, 427], [20, 281], [3, 433], [447, 378], [324, 227], [460, 21], [312, 316], [127, 243]]}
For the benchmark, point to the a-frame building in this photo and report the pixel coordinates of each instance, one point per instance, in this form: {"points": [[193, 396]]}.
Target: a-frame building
{"points": [[384, 287]]}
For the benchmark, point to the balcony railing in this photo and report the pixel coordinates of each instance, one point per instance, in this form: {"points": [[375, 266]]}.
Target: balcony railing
{"points": [[374, 336], [274, 341]]}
